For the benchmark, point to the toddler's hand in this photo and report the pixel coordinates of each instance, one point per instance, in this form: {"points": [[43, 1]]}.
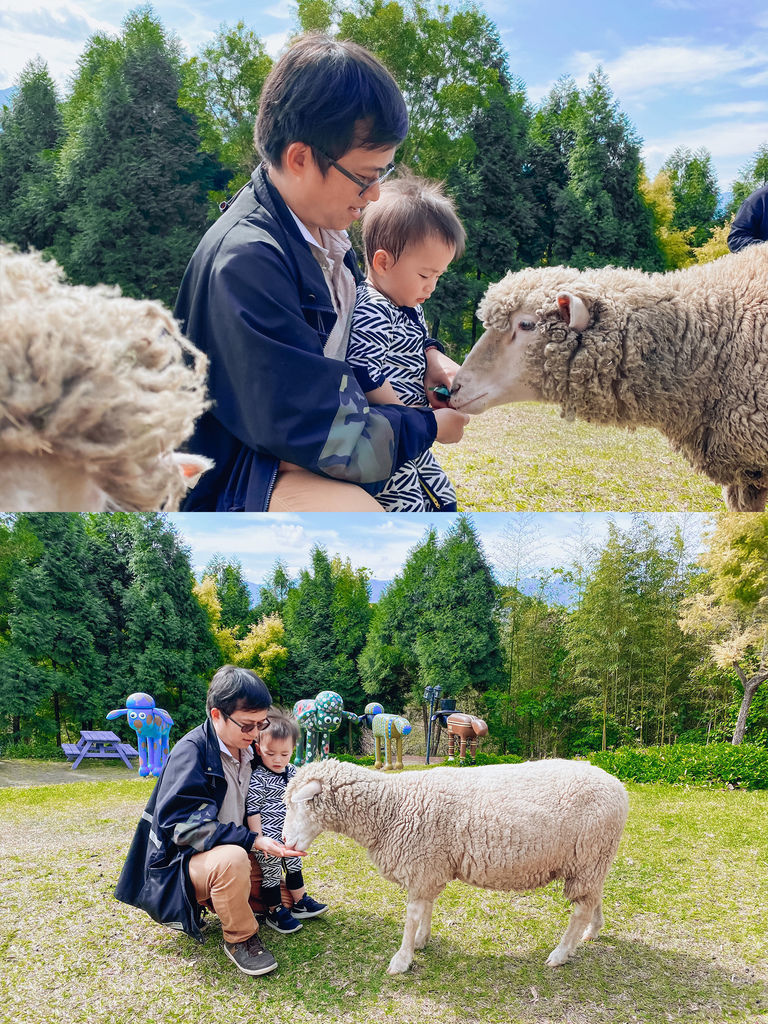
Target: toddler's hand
{"points": [[450, 425]]}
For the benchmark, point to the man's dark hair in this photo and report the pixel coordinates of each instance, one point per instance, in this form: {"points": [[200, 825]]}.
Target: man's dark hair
{"points": [[237, 689], [408, 211], [332, 95]]}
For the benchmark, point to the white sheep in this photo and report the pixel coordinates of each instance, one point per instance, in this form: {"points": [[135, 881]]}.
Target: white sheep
{"points": [[96, 392], [498, 827], [685, 352]]}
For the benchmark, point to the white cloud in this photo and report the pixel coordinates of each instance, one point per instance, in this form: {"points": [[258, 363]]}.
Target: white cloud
{"points": [[283, 9], [746, 108], [649, 71], [275, 42], [727, 142]]}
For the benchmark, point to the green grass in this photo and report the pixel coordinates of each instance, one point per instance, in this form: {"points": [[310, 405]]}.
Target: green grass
{"points": [[685, 938], [526, 457]]}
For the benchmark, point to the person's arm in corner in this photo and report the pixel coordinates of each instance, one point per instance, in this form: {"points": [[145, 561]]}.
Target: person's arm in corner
{"points": [[748, 224]]}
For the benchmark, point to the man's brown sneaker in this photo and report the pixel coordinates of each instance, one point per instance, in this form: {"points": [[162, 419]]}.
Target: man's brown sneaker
{"points": [[251, 956]]}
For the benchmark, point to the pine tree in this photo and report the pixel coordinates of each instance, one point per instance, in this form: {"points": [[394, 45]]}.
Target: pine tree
{"points": [[170, 648], [131, 169], [694, 188], [56, 617], [31, 132]]}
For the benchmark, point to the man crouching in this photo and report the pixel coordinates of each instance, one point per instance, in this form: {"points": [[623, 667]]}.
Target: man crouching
{"points": [[191, 846]]}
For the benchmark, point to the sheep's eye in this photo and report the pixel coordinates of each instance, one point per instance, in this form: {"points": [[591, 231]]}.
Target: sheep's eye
{"points": [[527, 325]]}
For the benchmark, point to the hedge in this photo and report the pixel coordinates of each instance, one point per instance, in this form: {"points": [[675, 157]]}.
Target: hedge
{"points": [[717, 764]]}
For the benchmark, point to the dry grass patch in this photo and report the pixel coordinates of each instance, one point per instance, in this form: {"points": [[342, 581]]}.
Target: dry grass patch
{"points": [[526, 457], [685, 937]]}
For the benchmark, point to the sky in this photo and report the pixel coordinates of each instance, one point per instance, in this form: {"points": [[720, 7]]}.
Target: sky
{"points": [[382, 543], [686, 72]]}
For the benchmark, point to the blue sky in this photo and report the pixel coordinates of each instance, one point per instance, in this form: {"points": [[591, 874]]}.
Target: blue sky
{"points": [[686, 72], [381, 543]]}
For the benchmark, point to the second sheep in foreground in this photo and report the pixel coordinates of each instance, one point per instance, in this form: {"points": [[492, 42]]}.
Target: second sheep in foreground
{"points": [[501, 827]]}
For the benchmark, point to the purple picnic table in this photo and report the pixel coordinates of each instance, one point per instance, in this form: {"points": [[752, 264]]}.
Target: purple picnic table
{"points": [[99, 743]]}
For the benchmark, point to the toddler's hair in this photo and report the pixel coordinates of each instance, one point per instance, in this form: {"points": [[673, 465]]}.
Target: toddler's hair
{"points": [[409, 210], [281, 727]]}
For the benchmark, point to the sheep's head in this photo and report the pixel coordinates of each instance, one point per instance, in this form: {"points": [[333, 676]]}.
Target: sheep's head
{"points": [[96, 392], [524, 314], [303, 800]]}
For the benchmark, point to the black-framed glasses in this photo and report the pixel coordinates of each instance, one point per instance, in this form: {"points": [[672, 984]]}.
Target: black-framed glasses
{"points": [[364, 185], [247, 728]]}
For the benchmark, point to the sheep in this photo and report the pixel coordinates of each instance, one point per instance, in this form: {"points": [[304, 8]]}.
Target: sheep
{"points": [[685, 352], [96, 392], [498, 827]]}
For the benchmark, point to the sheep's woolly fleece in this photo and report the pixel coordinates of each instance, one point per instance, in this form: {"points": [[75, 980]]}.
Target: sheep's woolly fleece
{"points": [[686, 352], [97, 380], [499, 827]]}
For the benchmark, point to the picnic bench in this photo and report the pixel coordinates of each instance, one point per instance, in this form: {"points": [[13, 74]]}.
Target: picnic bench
{"points": [[98, 743]]}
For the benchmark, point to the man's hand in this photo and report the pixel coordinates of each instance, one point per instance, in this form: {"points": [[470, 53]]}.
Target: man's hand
{"points": [[273, 848], [450, 425], [440, 371]]}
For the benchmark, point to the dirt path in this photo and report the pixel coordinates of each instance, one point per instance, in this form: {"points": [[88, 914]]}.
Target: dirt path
{"points": [[51, 773]]}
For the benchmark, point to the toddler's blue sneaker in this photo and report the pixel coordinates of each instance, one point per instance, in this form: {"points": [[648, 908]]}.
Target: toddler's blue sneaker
{"points": [[307, 907], [282, 920]]}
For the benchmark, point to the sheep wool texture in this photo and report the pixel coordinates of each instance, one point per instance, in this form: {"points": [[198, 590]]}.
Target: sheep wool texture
{"points": [[685, 352], [498, 827], [97, 381]]}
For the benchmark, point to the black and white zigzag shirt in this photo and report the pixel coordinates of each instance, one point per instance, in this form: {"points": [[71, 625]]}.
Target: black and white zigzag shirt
{"points": [[386, 342], [265, 797]]}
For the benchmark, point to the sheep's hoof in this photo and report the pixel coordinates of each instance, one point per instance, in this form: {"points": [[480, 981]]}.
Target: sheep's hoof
{"points": [[557, 957], [399, 964]]}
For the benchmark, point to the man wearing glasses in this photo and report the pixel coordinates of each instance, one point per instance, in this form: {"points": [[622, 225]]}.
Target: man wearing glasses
{"points": [[191, 845], [270, 291]]}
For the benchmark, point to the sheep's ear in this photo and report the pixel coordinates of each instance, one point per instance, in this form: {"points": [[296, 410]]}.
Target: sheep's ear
{"points": [[307, 792], [191, 467], [573, 310]]}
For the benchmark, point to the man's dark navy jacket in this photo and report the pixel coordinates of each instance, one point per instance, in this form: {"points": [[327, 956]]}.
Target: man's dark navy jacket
{"points": [[254, 299], [180, 819], [750, 225]]}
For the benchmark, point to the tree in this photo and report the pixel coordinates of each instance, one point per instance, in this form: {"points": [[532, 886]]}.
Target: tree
{"points": [[675, 244], [494, 198], [263, 649], [57, 614], [731, 609], [131, 169], [752, 176], [326, 618], [232, 591], [445, 62], [389, 662], [694, 189], [602, 217], [171, 650], [31, 132], [222, 87], [457, 641], [274, 592]]}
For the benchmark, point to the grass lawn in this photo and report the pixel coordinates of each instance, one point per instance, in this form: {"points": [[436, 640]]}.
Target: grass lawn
{"points": [[526, 457], [686, 936]]}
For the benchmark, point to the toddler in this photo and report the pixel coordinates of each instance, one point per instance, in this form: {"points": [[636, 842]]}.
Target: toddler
{"points": [[265, 811], [410, 236]]}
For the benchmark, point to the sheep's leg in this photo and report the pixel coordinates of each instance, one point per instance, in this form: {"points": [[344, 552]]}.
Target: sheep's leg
{"points": [[414, 916], [377, 762], [387, 752], [594, 926], [581, 916], [424, 931]]}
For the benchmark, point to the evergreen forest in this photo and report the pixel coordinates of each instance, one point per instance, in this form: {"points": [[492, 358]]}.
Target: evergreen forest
{"points": [[632, 643]]}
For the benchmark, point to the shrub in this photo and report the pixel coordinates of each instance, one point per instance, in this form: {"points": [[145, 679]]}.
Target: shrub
{"points": [[38, 750], [717, 764]]}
